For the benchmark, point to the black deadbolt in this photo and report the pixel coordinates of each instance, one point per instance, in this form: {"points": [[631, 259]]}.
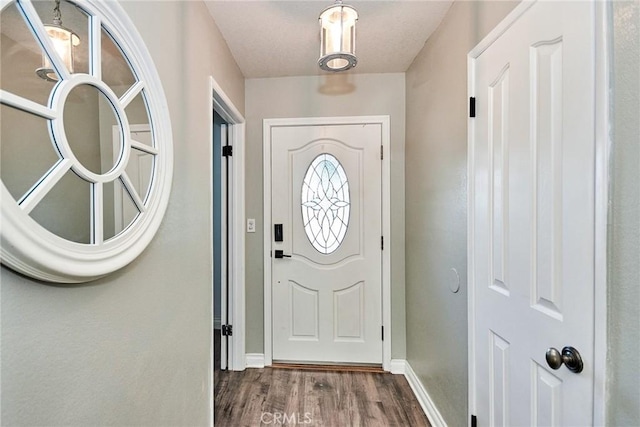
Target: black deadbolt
{"points": [[277, 232]]}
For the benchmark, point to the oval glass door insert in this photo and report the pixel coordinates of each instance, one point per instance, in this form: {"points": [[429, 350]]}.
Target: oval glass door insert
{"points": [[325, 203]]}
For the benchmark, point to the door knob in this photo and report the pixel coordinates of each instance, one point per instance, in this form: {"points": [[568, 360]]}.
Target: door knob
{"points": [[569, 356]]}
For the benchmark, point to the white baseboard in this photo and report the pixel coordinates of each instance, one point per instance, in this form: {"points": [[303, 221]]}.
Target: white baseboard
{"points": [[397, 366], [429, 408], [255, 360], [216, 323]]}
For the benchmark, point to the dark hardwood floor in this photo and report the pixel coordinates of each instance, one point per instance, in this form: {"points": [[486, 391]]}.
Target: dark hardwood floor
{"points": [[276, 397]]}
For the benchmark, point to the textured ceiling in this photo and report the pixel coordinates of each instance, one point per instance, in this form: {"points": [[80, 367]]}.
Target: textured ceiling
{"points": [[281, 38]]}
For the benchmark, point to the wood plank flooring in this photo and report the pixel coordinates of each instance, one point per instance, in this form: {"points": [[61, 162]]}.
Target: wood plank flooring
{"points": [[271, 396]]}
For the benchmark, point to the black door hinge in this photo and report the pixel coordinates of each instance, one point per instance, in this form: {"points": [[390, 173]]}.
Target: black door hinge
{"points": [[382, 242], [381, 152], [472, 107], [227, 151], [474, 421], [227, 330], [382, 333]]}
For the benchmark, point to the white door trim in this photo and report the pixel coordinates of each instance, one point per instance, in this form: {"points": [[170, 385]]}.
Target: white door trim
{"points": [[602, 167], [384, 121], [603, 146], [223, 105]]}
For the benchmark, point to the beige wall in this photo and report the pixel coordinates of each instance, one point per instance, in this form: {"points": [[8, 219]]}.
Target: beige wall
{"points": [[133, 348], [623, 359], [436, 208], [323, 96]]}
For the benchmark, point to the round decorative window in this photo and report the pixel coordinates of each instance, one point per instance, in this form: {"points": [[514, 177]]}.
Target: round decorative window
{"points": [[325, 203], [85, 147]]}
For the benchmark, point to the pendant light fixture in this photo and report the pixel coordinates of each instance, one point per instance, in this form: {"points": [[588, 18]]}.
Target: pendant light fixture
{"points": [[64, 40], [338, 37]]}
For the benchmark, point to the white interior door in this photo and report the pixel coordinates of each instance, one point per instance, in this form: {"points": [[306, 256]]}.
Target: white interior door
{"points": [[326, 290], [532, 218]]}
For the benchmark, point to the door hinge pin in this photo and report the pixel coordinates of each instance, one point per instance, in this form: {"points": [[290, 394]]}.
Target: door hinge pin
{"points": [[472, 106], [227, 151], [381, 152], [382, 333], [382, 242], [227, 330], [474, 421]]}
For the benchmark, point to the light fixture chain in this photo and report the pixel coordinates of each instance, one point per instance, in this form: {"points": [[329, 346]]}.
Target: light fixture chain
{"points": [[57, 15]]}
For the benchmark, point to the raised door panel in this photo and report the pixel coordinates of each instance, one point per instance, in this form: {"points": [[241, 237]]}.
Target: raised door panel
{"points": [[547, 124]]}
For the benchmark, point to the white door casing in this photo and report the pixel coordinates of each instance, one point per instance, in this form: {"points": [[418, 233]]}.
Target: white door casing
{"points": [[325, 308], [222, 104], [235, 131], [532, 207]]}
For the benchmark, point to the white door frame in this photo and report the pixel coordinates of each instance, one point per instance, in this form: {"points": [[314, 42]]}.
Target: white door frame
{"points": [[223, 105], [384, 121], [602, 167]]}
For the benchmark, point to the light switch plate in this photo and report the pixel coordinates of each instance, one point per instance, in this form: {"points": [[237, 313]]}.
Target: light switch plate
{"points": [[251, 225]]}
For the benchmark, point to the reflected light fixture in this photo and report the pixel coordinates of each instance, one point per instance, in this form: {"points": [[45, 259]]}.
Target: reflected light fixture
{"points": [[338, 37], [64, 40]]}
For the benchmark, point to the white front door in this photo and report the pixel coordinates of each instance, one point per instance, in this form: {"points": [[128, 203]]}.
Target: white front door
{"points": [[532, 218], [326, 199]]}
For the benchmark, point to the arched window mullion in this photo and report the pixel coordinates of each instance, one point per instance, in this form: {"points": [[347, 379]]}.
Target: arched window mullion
{"points": [[97, 213], [131, 189], [31, 199], [143, 147], [95, 47], [131, 93], [36, 26], [12, 100]]}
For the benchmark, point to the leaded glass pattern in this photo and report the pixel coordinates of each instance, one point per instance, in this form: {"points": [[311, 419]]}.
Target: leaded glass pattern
{"points": [[325, 203]]}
